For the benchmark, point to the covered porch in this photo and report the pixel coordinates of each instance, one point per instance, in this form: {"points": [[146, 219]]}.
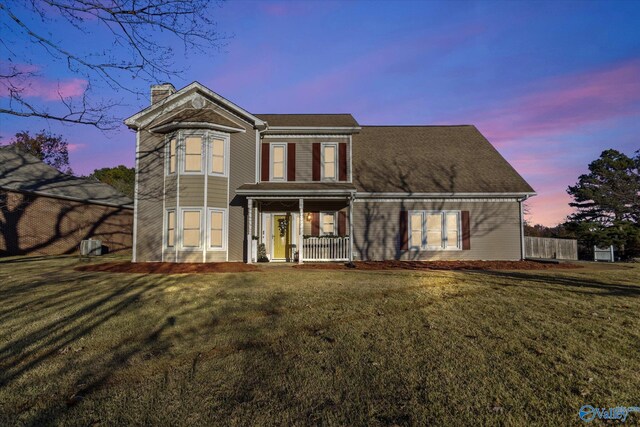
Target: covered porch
{"points": [[298, 222]]}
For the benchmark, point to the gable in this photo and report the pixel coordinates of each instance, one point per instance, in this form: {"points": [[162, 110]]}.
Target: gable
{"points": [[194, 96]]}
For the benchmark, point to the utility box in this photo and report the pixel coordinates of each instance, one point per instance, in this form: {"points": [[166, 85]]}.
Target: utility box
{"points": [[90, 248]]}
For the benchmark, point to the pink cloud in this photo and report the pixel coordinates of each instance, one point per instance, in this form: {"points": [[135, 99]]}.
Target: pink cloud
{"points": [[564, 104], [74, 147], [394, 56], [550, 207], [32, 85]]}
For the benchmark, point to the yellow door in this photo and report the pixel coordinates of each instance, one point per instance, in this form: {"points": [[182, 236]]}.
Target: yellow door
{"points": [[281, 235]]}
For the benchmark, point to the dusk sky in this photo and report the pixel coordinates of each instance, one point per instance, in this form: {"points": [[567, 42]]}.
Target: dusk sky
{"points": [[550, 84]]}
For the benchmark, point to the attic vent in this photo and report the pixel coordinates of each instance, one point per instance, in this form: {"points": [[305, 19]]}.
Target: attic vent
{"points": [[197, 102]]}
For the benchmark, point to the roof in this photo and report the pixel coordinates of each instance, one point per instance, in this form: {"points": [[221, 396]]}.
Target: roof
{"points": [[431, 159], [309, 120], [20, 171], [297, 188]]}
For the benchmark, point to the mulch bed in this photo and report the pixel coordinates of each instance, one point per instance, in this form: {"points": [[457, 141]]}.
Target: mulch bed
{"points": [[169, 267], [440, 265]]}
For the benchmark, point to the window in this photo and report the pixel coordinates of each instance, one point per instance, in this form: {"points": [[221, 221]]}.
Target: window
{"points": [[191, 228], [329, 161], [171, 229], [416, 230], [434, 230], [328, 224], [216, 228], [193, 154], [278, 161], [217, 150], [172, 156]]}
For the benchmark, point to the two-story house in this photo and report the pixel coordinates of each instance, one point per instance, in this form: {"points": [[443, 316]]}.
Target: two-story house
{"points": [[213, 181]]}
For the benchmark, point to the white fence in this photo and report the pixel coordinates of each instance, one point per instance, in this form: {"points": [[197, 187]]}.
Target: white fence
{"points": [[548, 248], [326, 249], [603, 254]]}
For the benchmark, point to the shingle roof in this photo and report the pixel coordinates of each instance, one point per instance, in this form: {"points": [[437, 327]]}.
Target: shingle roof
{"points": [[21, 171], [309, 120], [431, 159], [297, 187]]}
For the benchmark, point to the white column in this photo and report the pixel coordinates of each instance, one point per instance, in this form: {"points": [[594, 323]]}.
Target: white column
{"points": [[249, 228], [301, 231], [351, 228]]}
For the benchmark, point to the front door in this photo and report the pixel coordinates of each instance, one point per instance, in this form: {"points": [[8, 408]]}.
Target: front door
{"points": [[281, 236]]}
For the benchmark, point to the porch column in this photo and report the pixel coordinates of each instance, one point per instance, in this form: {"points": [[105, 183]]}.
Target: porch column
{"points": [[249, 228], [301, 231], [351, 228]]}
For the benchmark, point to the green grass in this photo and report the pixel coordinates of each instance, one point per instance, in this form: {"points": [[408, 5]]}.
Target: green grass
{"points": [[285, 346]]}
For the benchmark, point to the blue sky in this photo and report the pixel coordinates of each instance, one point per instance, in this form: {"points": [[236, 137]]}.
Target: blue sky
{"points": [[551, 84]]}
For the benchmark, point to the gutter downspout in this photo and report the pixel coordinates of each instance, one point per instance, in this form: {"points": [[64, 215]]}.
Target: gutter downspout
{"points": [[520, 201]]}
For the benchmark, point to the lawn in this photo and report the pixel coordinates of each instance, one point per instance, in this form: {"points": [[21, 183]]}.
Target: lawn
{"points": [[290, 346]]}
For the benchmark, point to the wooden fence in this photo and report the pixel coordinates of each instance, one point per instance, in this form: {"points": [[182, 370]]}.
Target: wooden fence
{"points": [[547, 248]]}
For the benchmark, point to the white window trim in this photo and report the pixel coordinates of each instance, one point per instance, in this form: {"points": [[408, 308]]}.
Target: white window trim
{"points": [[321, 221], [443, 230], [225, 228], [335, 161], [180, 229], [168, 154], [272, 145], [183, 152], [209, 144], [165, 229]]}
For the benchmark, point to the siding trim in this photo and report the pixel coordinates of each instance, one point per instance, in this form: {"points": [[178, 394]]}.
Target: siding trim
{"points": [[135, 201]]}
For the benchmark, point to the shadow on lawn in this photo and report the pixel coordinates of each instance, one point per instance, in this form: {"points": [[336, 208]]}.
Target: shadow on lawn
{"points": [[79, 304], [598, 287]]}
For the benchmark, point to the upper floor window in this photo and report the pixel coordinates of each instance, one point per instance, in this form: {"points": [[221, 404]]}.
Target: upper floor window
{"points": [[217, 156], [278, 162], [173, 146], [434, 230], [192, 154], [329, 161], [196, 153]]}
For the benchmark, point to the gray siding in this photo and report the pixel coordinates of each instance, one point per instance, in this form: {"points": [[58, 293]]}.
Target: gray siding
{"points": [[242, 170], [304, 155], [217, 192], [495, 230], [191, 190], [150, 191]]}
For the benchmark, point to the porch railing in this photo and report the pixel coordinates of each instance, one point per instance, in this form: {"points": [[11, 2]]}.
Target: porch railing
{"points": [[326, 248]]}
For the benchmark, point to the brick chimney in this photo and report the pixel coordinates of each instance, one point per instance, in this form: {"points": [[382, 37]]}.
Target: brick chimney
{"points": [[161, 91]]}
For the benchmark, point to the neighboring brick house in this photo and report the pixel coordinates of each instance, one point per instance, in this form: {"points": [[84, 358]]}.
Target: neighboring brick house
{"points": [[213, 181], [46, 212]]}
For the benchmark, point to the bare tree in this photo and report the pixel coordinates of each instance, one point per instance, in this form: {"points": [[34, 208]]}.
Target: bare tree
{"points": [[143, 39]]}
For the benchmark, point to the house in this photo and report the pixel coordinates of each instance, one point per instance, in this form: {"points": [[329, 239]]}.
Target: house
{"points": [[46, 212], [214, 181]]}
